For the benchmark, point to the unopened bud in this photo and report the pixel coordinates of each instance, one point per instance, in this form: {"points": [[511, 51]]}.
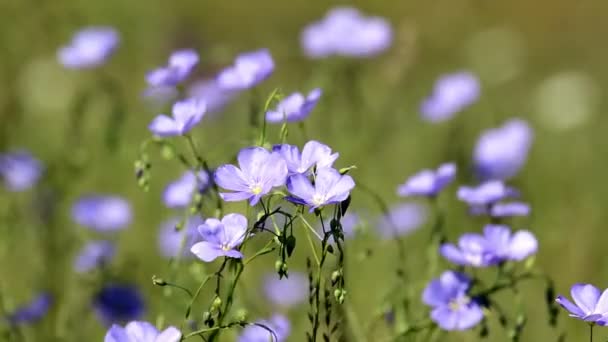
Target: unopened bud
{"points": [[158, 281]]}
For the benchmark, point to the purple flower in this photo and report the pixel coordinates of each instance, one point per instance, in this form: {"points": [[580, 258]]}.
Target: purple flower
{"points": [[186, 114], [93, 255], [248, 70], [486, 194], [591, 305], [329, 187], [279, 325], [501, 152], [452, 94], [287, 292], [170, 239], [31, 312], [210, 92], [314, 154], [180, 65], [346, 32], [139, 331], [221, 238], [178, 194], [510, 209], [118, 303], [19, 170], [102, 213], [495, 246], [294, 107], [89, 48], [402, 220], [428, 182], [453, 309], [258, 172]]}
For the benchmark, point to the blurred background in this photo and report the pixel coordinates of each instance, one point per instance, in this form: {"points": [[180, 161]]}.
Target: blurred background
{"points": [[542, 61]]}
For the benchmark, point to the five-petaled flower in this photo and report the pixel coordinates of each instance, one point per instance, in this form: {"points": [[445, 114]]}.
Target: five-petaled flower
{"points": [[221, 238], [89, 48], [186, 114], [589, 304], [453, 308], [452, 93], [248, 70], [314, 154], [329, 187], [139, 331], [258, 172], [180, 66], [428, 182], [294, 107], [495, 246]]}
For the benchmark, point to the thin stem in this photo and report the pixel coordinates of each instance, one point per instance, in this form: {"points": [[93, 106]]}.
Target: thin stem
{"points": [[312, 245], [229, 300], [195, 296], [591, 332]]}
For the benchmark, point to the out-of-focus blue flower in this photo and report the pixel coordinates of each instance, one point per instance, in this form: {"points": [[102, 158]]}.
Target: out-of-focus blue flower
{"points": [[402, 220], [314, 154], [19, 170], [102, 212], [93, 255], [258, 172], [501, 152], [32, 311], [591, 305], [510, 209], [170, 239], [248, 70], [346, 32], [329, 187], [453, 309], [186, 114], [428, 182], [294, 107], [486, 194], [178, 194], [452, 93], [139, 331], [89, 48], [221, 238], [279, 325], [180, 65], [288, 291], [116, 303], [495, 246], [210, 92]]}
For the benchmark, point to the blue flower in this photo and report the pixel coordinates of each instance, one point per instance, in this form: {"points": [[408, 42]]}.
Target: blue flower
{"points": [[93, 255], [89, 48], [139, 331], [502, 209], [314, 154], [178, 194], [186, 114], [118, 303], [279, 325], [402, 219], [452, 93], [210, 92], [329, 187], [102, 212], [452, 307], [428, 182], [170, 239], [19, 170], [248, 70], [495, 246], [31, 312], [221, 238], [258, 172], [591, 305], [294, 107], [180, 66], [501, 152], [486, 194], [346, 32], [288, 291]]}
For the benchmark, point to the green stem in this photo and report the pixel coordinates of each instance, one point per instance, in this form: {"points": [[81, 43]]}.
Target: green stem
{"points": [[591, 332], [229, 300]]}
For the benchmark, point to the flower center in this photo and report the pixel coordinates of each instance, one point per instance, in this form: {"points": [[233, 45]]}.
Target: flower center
{"points": [[256, 189], [457, 303], [225, 247], [318, 200]]}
